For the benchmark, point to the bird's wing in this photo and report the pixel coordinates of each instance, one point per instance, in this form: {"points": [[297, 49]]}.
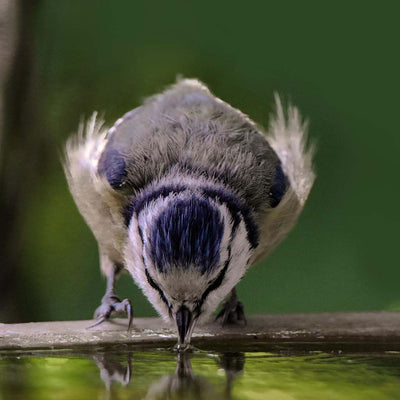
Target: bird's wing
{"points": [[97, 202], [287, 135], [106, 168]]}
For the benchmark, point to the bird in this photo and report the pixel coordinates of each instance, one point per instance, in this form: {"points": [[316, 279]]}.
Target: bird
{"points": [[186, 193]]}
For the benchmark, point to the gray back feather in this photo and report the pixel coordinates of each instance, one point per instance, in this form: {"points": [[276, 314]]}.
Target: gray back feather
{"points": [[188, 130]]}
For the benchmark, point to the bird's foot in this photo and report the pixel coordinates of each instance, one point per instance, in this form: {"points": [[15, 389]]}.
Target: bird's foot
{"points": [[232, 311], [112, 305]]}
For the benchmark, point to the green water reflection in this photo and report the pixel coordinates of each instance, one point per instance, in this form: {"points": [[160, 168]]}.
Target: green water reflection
{"points": [[159, 375]]}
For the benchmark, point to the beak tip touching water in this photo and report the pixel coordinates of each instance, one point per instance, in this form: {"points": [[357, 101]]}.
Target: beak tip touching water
{"points": [[184, 322]]}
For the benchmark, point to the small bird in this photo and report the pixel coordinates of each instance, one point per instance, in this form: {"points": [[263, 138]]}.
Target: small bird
{"points": [[186, 193]]}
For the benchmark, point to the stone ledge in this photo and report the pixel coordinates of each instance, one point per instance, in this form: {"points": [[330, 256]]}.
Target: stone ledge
{"points": [[364, 327]]}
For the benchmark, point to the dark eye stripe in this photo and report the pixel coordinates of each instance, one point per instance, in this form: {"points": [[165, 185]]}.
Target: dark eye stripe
{"points": [[149, 195], [150, 280], [236, 208], [215, 284], [160, 292]]}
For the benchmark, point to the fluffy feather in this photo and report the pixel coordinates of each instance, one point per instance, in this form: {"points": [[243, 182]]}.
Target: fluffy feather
{"points": [[287, 135], [95, 199], [186, 145]]}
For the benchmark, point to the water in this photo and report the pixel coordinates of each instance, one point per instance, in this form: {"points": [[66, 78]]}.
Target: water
{"points": [[161, 374]]}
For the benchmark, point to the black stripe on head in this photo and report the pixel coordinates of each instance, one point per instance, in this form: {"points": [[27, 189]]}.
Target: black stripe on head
{"points": [[154, 285], [146, 197], [215, 284], [235, 208], [150, 280]]}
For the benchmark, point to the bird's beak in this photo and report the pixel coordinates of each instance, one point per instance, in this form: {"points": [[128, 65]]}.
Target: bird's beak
{"points": [[185, 324]]}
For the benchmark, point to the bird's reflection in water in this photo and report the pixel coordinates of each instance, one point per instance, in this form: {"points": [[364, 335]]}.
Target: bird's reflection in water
{"points": [[182, 384], [112, 370]]}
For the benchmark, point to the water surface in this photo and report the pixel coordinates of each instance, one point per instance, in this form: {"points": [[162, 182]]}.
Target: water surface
{"points": [[161, 374]]}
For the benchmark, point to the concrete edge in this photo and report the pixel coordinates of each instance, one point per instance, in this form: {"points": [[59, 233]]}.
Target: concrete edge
{"points": [[363, 327]]}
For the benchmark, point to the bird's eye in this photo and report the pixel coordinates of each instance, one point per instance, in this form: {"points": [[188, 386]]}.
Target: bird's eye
{"points": [[121, 185]]}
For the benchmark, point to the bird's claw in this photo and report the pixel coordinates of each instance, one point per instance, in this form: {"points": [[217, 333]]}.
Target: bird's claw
{"points": [[111, 304], [232, 312]]}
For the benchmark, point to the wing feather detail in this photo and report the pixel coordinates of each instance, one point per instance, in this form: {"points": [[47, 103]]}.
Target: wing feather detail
{"points": [[95, 199], [287, 135]]}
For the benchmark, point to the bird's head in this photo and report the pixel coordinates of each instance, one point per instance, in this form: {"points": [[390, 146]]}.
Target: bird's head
{"points": [[187, 250]]}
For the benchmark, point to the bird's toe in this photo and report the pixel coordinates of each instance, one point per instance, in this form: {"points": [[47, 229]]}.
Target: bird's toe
{"points": [[111, 305]]}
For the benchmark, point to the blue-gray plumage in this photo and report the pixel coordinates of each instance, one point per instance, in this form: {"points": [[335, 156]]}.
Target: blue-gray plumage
{"points": [[190, 132], [279, 186], [186, 193], [114, 168], [187, 234]]}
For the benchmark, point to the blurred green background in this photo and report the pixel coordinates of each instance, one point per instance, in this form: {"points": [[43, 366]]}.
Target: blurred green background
{"points": [[338, 62]]}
